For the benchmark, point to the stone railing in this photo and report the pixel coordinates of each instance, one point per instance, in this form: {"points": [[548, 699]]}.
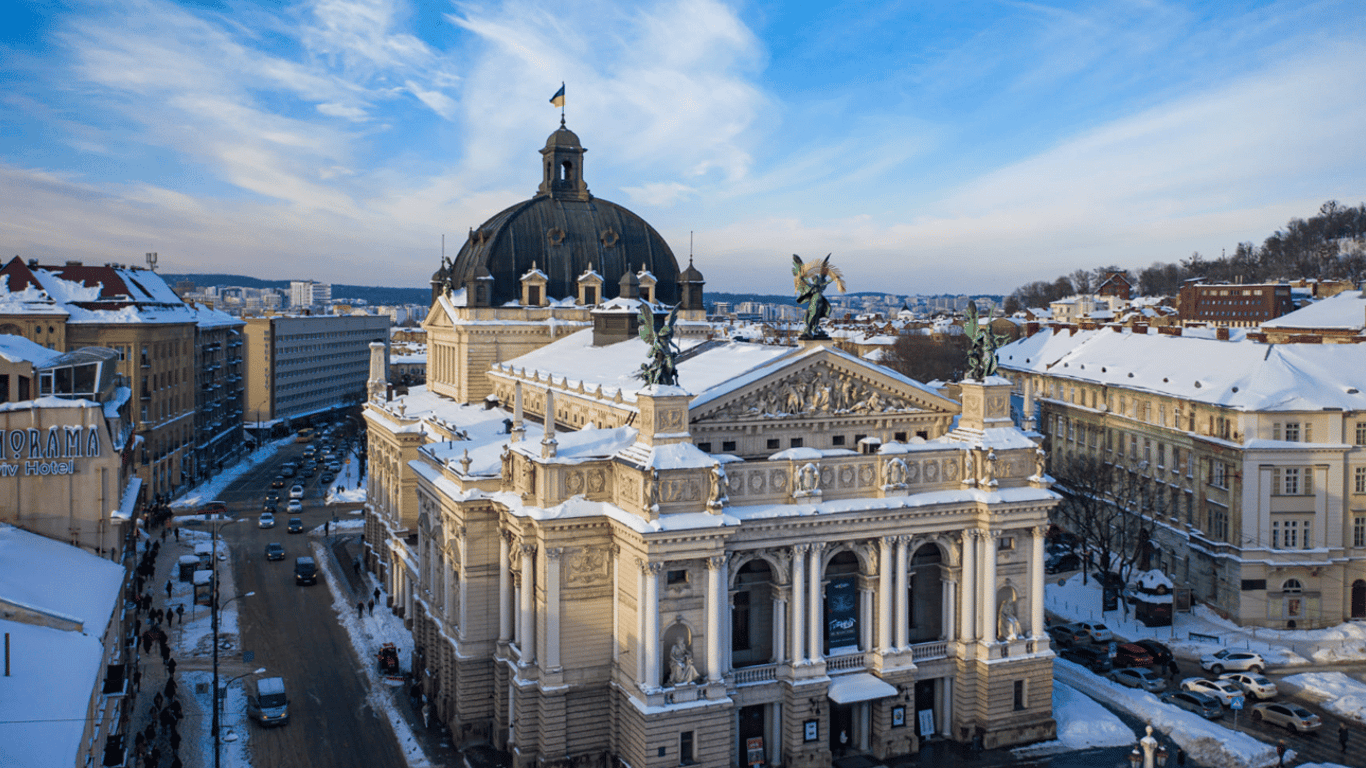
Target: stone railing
{"points": [[929, 651], [852, 662], [764, 673]]}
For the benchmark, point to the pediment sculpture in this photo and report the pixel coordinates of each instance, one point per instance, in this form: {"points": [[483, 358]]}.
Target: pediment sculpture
{"points": [[816, 391]]}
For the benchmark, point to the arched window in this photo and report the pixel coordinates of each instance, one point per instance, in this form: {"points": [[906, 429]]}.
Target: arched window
{"points": [[1292, 585], [566, 171]]}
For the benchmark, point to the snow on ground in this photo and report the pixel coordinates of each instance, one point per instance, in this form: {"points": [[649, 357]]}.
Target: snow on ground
{"points": [[330, 528], [1205, 742], [197, 749], [367, 634], [349, 487], [1334, 691], [1082, 724], [1075, 601], [211, 488]]}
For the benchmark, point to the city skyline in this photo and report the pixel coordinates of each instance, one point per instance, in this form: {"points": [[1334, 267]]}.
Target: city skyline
{"points": [[934, 150]]}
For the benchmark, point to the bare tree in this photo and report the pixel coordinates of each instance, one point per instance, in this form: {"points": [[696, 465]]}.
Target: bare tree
{"points": [[928, 358], [1109, 506]]}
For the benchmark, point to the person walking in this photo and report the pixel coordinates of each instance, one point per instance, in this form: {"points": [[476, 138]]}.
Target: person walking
{"points": [[180, 613], [170, 666], [170, 689], [1343, 735], [168, 589], [372, 607], [137, 679], [154, 759], [360, 608], [1280, 754], [327, 528]]}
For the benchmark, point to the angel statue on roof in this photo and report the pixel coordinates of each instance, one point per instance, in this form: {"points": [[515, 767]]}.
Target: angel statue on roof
{"points": [[663, 351], [983, 344], [810, 282]]}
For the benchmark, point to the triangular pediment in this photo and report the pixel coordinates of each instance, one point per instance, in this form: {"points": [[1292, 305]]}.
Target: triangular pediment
{"points": [[438, 317], [821, 384]]}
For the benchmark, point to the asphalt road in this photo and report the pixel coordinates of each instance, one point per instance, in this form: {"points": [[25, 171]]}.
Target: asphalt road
{"points": [[294, 634]]}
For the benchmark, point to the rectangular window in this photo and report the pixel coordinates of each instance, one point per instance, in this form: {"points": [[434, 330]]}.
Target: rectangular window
{"points": [[1361, 433], [739, 623], [795, 442], [1290, 481], [837, 440], [1275, 534], [1359, 531], [1019, 695], [1290, 534], [1276, 430], [1006, 542], [674, 578], [900, 437], [773, 444], [1292, 432], [704, 447], [1360, 480], [1218, 474], [685, 755], [728, 445]]}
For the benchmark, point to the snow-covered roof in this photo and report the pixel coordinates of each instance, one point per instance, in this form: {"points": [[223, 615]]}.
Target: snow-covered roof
{"points": [[44, 700], [1238, 373], [207, 317], [91, 294], [17, 348], [1345, 311]]}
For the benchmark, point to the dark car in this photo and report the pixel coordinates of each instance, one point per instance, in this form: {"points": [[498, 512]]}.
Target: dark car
{"points": [[270, 506], [1132, 655], [275, 551], [327, 476], [308, 470], [1094, 659], [287, 471], [296, 525], [273, 495], [278, 482], [1205, 706], [1065, 636], [1061, 563], [1162, 655]]}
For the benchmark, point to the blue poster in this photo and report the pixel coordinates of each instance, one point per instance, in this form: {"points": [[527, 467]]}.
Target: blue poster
{"points": [[841, 612]]}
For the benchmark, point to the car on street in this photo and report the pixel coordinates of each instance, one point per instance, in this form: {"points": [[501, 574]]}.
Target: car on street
{"points": [[1096, 632], [275, 551], [1231, 660], [1253, 685], [278, 482], [1162, 655], [287, 470], [1065, 635], [270, 506], [1132, 655], [294, 507], [1061, 563], [1138, 677], [297, 492], [1199, 703], [1094, 659], [267, 520], [1292, 717], [1225, 692], [307, 470], [326, 476], [334, 466], [296, 525], [272, 495]]}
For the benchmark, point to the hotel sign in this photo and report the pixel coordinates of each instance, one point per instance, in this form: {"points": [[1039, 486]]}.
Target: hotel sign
{"points": [[50, 451]]}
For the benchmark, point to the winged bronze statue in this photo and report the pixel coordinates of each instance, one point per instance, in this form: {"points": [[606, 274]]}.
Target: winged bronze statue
{"points": [[663, 351], [810, 281]]}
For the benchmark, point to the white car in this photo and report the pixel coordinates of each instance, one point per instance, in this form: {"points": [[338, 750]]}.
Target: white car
{"points": [[297, 492], [1237, 661], [294, 506], [1255, 686], [1099, 633], [1223, 690], [267, 520]]}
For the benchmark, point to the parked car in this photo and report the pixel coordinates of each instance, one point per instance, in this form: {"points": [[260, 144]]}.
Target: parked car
{"points": [[296, 525], [326, 477], [1138, 677], [1238, 661], [275, 551], [267, 520], [1253, 685], [1094, 659], [1202, 705], [1292, 717], [1064, 635], [294, 507], [1061, 563], [1097, 632], [297, 492], [1225, 692], [1132, 655], [1162, 655]]}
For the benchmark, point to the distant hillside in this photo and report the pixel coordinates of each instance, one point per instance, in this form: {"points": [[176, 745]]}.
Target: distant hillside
{"points": [[370, 294]]}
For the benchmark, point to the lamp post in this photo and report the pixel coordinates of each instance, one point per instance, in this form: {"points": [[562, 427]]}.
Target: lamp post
{"points": [[214, 622]]}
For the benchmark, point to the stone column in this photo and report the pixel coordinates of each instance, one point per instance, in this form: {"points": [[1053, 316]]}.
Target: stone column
{"points": [[798, 594], [902, 587], [460, 584], [528, 636], [865, 617], [650, 636], [951, 609], [987, 616], [779, 629], [884, 594], [717, 602], [1036, 588], [816, 613], [504, 588], [968, 592], [552, 607]]}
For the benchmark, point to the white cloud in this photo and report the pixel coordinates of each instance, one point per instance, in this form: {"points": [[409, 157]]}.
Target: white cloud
{"points": [[333, 109]]}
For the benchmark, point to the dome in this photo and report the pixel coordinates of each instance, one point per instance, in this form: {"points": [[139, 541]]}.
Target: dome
{"points": [[565, 231], [691, 275]]}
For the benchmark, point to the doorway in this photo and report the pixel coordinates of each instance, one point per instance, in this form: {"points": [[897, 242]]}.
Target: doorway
{"points": [[1359, 599], [750, 726], [841, 729], [926, 700]]}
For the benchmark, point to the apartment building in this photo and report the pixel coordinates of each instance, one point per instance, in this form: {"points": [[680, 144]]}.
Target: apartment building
{"points": [[1233, 305], [220, 390], [1255, 454], [300, 365]]}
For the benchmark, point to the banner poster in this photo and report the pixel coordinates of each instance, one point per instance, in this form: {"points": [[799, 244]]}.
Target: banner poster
{"points": [[841, 612]]}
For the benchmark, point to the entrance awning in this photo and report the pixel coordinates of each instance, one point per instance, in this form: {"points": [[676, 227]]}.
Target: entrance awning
{"points": [[860, 686]]}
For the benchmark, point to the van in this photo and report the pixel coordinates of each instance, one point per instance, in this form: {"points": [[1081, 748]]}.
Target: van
{"points": [[305, 570], [269, 706]]}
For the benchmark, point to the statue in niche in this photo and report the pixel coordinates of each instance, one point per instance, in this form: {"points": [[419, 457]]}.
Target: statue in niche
{"points": [[1040, 459], [810, 282], [652, 491], [808, 478], [1007, 623], [991, 469], [969, 469], [507, 464], [896, 472], [720, 487], [681, 669]]}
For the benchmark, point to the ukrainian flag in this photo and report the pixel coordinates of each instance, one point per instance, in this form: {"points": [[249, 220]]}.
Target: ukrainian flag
{"points": [[558, 98]]}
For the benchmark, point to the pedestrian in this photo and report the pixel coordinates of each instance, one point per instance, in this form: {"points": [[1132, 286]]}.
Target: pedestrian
{"points": [[150, 733], [167, 718], [1173, 669], [175, 762], [165, 653], [178, 711], [157, 701], [137, 679], [360, 609], [147, 641], [372, 607], [163, 534], [175, 740], [170, 666], [1280, 754], [155, 758], [170, 688], [137, 627], [180, 612], [177, 533], [1343, 734], [355, 565], [376, 593], [168, 589], [1180, 758]]}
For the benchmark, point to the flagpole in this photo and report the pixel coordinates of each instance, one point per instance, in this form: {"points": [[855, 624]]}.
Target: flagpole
{"points": [[562, 106]]}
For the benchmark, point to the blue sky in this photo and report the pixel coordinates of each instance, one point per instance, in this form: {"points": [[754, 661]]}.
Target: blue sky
{"points": [[932, 147]]}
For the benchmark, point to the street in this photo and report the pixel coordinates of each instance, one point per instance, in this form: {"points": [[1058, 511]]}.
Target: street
{"points": [[293, 632]]}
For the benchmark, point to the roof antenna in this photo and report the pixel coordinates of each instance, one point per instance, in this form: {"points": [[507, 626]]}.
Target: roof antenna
{"points": [[152, 261], [690, 247]]}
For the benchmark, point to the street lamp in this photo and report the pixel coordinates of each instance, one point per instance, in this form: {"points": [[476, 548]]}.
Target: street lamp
{"points": [[1152, 756], [214, 620]]}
